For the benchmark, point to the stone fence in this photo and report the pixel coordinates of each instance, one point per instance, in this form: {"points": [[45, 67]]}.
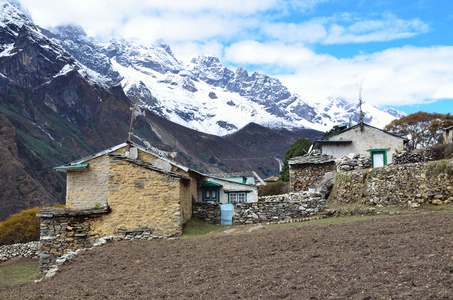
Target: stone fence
{"points": [[29, 250], [64, 230], [409, 184], [279, 208]]}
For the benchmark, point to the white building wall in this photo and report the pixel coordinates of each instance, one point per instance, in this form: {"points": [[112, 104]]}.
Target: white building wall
{"points": [[362, 141], [229, 186]]}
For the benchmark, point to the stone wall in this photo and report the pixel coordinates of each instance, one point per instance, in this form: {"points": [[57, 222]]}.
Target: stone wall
{"points": [[141, 199], [448, 135], [292, 206], [29, 250], [353, 161], [88, 189], [306, 176], [410, 184], [64, 230], [207, 212]]}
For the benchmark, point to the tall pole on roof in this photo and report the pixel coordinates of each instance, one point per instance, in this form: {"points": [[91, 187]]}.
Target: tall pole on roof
{"points": [[134, 113], [361, 115]]}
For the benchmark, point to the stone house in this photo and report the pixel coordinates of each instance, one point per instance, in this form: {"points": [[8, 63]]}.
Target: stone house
{"points": [[306, 172], [128, 191], [219, 190], [448, 135], [362, 139], [143, 191]]}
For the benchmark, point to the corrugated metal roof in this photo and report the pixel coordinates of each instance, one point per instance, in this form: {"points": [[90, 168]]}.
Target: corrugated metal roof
{"points": [[122, 145]]}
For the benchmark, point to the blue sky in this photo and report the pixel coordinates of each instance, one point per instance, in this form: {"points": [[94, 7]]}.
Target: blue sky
{"points": [[401, 51]]}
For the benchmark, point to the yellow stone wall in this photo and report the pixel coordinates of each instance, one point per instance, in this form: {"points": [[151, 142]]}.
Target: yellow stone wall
{"points": [[88, 189], [189, 191], [448, 136], [139, 199]]}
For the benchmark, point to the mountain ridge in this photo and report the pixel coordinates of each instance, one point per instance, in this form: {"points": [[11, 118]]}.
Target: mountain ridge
{"points": [[54, 109], [203, 94]]}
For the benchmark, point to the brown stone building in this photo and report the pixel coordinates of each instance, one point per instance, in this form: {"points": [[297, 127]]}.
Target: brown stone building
{"points": [[306, 172], [448, 135], [143, 191]]}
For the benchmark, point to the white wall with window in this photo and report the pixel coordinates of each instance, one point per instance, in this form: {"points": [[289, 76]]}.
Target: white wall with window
{"points": [[215, 190]]}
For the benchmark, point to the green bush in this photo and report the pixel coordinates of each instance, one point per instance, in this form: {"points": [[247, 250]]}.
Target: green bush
{"points": [[299, 148], [20, 228], [273, 188]]}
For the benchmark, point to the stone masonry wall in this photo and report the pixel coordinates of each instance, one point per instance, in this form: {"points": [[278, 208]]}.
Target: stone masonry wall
{"points": [[29, 250], [411, 184], [63, 231], [141, 200], [303, 177], [292, 206], [88, 189]]}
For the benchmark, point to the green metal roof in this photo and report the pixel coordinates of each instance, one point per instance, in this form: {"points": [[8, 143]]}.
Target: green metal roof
{"points": [[210, 183], [76, 167]]}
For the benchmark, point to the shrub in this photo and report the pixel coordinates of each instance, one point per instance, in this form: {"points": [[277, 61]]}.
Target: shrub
{"points": [[273, 188], [441, 151], [20, 228]]}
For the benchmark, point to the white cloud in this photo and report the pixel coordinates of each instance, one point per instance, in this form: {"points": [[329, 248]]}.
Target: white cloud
{"points": [[309, 32], [272, 53], [185, 51], [255, 32], [400, 76], [386, 29]]}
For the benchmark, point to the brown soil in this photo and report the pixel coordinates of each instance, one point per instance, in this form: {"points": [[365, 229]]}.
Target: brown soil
{"points": [[388, 258]]}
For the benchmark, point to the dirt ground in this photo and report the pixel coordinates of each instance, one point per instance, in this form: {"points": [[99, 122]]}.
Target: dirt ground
{"points": [[408, 257]]}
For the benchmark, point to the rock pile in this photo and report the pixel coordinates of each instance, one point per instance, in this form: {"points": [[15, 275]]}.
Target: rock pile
{"points": [[29, 250], [353, 161], [406, 157]]}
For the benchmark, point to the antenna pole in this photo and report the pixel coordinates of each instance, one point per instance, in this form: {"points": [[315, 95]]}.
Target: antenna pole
{"points": [[133, 111], [360, 105]]}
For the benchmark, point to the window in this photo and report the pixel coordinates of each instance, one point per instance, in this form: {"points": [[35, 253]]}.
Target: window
{"points": [[237, 197], [233, 197], [241, 197], [210, 195]]}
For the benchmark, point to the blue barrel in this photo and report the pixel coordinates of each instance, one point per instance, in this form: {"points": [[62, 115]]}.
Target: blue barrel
{"points": [[226, 214]]}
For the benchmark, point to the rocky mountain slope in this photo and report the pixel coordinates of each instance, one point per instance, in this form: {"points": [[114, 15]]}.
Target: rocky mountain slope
{"points": [[56, 106], [203, 94]]}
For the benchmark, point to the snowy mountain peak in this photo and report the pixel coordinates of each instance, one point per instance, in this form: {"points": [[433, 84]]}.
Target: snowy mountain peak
{"points": [[202, 95]]}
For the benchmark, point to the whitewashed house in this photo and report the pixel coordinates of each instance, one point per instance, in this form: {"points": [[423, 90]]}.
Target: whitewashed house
{"points": [[362, 139]]}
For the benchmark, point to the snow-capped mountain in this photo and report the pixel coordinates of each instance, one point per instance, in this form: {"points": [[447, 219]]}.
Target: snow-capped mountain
{"points": [[203, 94]]}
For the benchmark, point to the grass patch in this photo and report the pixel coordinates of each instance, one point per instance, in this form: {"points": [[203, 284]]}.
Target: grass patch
{"points": [[196, 227], [20, 273]]}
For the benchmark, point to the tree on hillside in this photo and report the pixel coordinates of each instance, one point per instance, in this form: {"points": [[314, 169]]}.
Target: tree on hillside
{"points": [[20, 228], [334, 130], [423, 129], [299, 148]]}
